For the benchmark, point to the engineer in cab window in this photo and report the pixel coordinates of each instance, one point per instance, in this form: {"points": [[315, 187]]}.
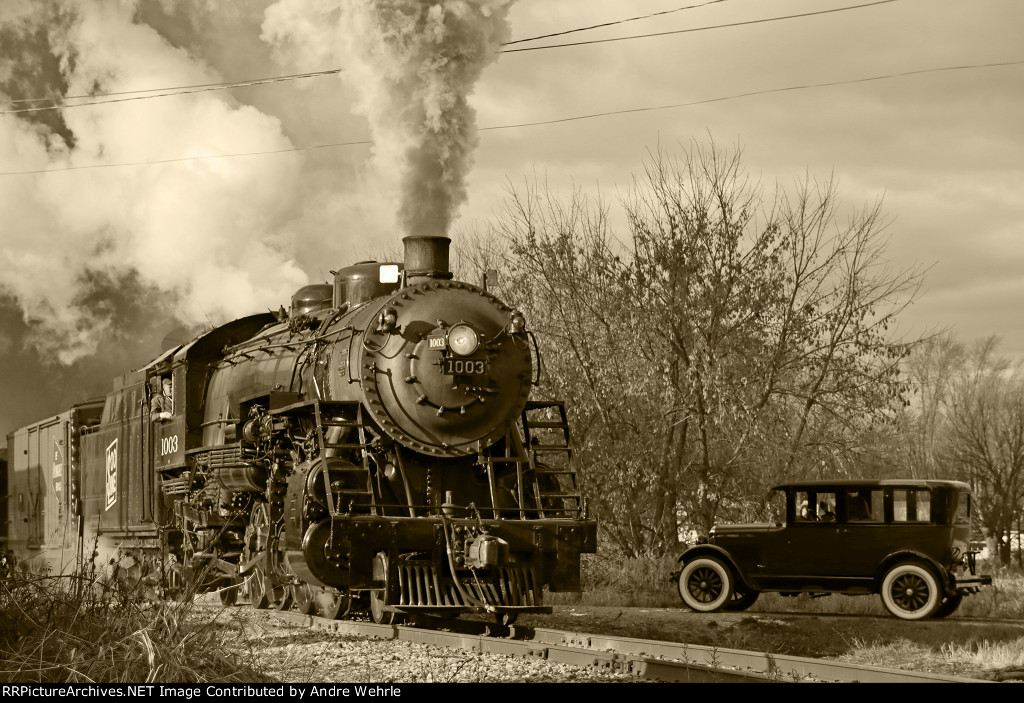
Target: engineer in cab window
{"points": [[163, 401]]}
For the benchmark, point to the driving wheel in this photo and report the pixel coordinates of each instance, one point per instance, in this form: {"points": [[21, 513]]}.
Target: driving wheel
{"points": [[302, 597], [332, 604], [378, 597]]}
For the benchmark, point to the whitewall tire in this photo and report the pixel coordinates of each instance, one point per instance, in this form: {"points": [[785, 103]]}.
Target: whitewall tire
{"points": [[911, 592], [706, 585]]}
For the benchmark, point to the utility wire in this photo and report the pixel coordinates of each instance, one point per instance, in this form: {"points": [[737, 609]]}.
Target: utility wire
{"points": [[269, 79], [560, 120], [737, 96], [609, 24], [699, 29], [184, 90]]}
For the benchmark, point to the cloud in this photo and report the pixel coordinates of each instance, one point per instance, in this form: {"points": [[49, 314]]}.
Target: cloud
{"points": [[205, 233]]}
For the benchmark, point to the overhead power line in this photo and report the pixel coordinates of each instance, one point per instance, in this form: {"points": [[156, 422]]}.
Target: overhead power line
{"points": [[181, 90], [753, 93], [538, 123], [294, 76], [184, 90], [699, 29], [609, 24]]}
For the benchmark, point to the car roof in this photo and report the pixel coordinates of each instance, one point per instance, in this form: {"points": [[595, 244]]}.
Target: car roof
{"points": [[873, 483]]}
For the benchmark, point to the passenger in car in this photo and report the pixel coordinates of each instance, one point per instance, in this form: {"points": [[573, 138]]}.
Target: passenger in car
{"points": [[824, 514], [858, 506]]}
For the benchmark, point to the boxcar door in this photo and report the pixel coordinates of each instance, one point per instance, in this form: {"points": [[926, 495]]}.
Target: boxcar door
{"points": [[36, 491]]}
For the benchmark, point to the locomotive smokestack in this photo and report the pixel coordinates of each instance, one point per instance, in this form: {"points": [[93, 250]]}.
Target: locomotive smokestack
{"points": [[426, 257]]}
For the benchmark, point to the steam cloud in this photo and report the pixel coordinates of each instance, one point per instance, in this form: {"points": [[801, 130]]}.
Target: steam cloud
{"points": [[413, 65], [201, 234], [209, 240]]}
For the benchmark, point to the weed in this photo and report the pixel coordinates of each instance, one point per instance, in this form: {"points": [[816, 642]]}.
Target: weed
{"points": [[87, 628]]}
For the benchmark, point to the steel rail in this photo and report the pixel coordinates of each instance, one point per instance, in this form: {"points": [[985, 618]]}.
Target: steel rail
{"points": [[646, 659]]}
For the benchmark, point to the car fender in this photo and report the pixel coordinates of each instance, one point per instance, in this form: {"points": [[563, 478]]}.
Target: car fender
{"points": [[712, 550], [941, 574]]}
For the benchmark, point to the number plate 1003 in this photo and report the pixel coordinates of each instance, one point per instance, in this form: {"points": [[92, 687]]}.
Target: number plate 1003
{"points": [[454, 366]]}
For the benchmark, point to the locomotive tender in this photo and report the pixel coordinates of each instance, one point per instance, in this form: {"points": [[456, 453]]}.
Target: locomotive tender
{"points": [[374, 447]]}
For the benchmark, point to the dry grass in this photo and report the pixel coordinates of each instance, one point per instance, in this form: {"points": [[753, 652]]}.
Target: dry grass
{"points": [[621, 581], [57, 629], [972, 658]]}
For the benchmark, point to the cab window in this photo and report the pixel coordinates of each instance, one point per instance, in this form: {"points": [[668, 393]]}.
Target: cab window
{"points": [[911, 505]]}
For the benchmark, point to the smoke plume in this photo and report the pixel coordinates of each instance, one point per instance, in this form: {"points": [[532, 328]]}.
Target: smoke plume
{"points": [[200, 237], [413, 65]]}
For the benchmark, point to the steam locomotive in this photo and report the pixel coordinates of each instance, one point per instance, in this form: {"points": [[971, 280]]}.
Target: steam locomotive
{"points": [[373, 448]]}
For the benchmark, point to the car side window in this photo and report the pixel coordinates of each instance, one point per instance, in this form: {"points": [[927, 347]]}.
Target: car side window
{"points": [[827, 507], [962, 515], [777, 507], [814, 506], [865, 505], [912, 505], [804, 503]]}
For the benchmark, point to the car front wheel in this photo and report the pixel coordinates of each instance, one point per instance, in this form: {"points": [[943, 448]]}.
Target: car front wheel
{"points": [[705, 585], [910, 592]]}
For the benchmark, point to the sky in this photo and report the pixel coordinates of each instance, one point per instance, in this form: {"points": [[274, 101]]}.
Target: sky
{"points": [[122, 222]]}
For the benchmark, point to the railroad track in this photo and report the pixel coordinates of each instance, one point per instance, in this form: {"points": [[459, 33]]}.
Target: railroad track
{"points": [[646, 659]]}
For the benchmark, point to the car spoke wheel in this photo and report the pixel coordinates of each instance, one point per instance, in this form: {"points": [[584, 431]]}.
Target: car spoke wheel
{"points": [[705, 585], [948, 605], [910, 592]]}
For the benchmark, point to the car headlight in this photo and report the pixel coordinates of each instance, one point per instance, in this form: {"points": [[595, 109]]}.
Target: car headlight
{"points": [[463, 340]]}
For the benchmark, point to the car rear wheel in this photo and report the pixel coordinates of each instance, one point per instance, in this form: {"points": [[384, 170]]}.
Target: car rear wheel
{"points": [[741, 600], [910, 592], [705, 585], [949, 605]]}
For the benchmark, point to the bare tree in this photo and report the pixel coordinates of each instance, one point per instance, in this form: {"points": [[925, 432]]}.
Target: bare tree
{"points": [[931, 370], [985, 441], [730, 340]]}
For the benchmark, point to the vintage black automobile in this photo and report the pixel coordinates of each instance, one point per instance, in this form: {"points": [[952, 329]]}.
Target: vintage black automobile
{"points": [[906, 540]]}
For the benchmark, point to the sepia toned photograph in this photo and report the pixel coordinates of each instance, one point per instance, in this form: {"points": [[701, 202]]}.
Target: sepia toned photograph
{"points": [[349, 347]]}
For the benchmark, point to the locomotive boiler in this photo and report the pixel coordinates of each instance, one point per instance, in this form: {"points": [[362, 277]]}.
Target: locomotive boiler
{"points": [[374, 447]]}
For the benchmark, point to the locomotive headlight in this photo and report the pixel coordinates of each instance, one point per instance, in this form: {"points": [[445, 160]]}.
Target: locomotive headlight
{"points": [[463, 340]]}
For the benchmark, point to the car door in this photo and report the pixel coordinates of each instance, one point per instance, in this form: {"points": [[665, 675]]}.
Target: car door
{"points": [[805, 552], [863, 532]]}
